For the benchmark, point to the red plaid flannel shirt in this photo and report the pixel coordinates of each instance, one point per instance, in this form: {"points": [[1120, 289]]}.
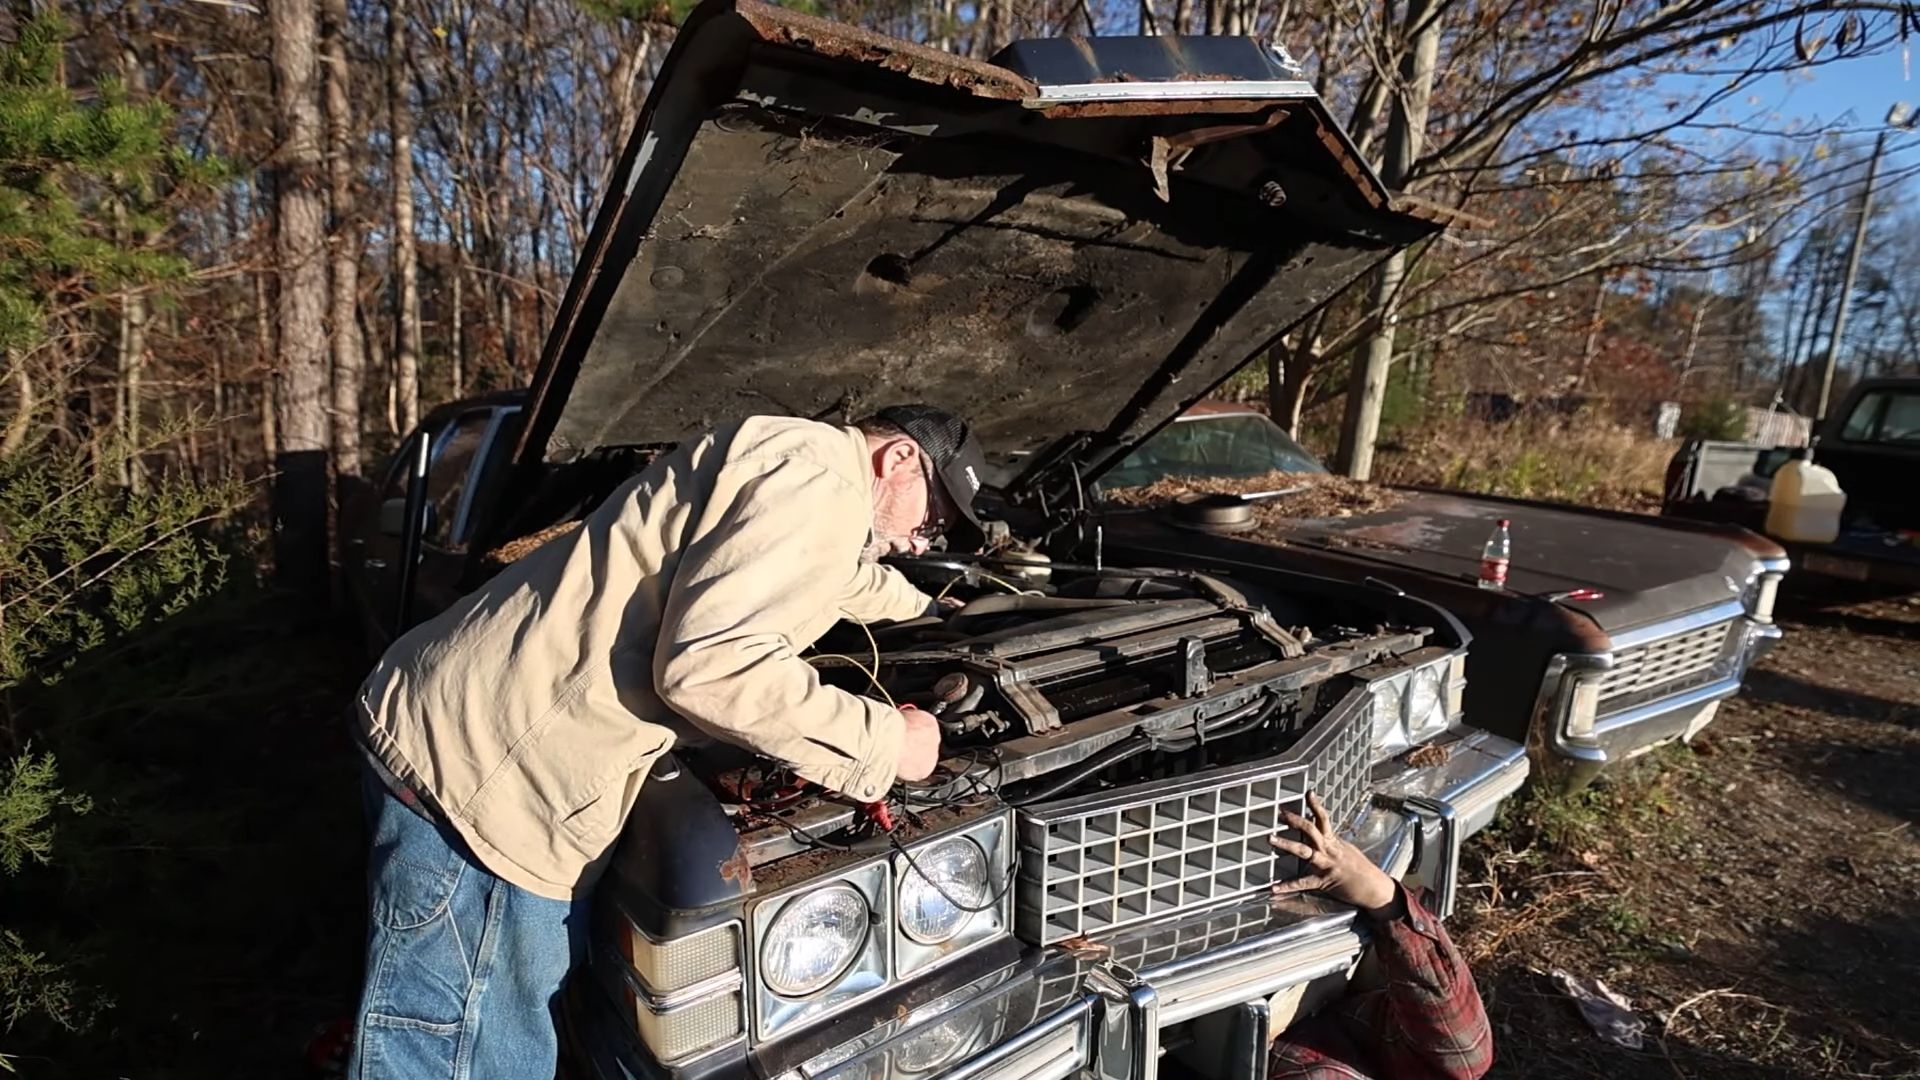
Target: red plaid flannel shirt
{"points": [[1425, 1023]]}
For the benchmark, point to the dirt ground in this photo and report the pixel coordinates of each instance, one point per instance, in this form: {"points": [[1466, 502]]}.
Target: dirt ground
{"points": [[1753, 897]]}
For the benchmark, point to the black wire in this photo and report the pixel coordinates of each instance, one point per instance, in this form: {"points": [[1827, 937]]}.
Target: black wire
{"points": [[802, 834], [993, 901], [985, 761]]}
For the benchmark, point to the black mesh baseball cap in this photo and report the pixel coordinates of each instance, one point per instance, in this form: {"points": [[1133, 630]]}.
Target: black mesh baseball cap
{"points": [[950, 447]]}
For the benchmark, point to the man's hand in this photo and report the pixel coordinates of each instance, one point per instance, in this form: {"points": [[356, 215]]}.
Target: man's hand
{"points": [[1333, 867], [920, 750]]}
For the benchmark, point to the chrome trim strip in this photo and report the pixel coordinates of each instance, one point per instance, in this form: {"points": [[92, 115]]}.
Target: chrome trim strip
{"points": [[1198, 90], [1549, 723], [1127, 1044], [724, 983], [1726, 611], [1699, 695], [631, 979], [991, 1062], [1248, 970]]}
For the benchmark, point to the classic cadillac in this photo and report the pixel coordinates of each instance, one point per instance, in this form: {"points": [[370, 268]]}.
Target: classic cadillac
{"points": [[1067, 245], [1615, 633]]}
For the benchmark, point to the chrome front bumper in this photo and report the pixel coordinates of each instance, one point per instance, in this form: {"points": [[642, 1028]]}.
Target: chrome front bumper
{"points": [[1631, 732], [1100, 1013]]}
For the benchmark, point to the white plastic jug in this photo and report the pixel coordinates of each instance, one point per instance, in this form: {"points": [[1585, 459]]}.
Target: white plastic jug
{"points": [[1807, 501]]}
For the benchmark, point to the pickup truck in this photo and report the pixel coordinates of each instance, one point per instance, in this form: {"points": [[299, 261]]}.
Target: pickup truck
{"points": [[1067, 245], [1872, 444]]}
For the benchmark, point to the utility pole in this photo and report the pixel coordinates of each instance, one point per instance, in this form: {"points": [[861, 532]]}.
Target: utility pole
{"points": [[1900, 116]]}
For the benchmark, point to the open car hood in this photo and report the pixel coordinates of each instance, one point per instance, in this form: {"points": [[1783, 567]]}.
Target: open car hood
{"points": [[1075, 240]]}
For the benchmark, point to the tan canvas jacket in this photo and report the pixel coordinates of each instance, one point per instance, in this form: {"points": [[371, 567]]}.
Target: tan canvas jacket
{"points": [[529, 713]]}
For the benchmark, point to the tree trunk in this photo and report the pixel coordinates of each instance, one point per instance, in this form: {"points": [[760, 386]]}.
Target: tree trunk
{"points": [[1182, 14], [406, 258], [15, 435], [1367, 386], [349, 372], [457, 332], [1693, 338], [1590, 348], [133, 314], [133, 353], [269, 369], [300, 218], [1289, 378], [1216, 16]]}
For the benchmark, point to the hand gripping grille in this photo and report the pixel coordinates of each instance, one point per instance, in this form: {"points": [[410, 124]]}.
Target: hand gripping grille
{"points": [[1664, 665], [1095, 863]]}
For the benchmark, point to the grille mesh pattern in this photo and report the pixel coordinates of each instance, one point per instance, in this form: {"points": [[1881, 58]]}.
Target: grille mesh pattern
{"points": [[1090, 865], [1665, 664]]}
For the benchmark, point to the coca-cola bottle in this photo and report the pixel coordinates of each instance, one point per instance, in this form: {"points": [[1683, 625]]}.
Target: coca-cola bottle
{"points": [[1494, 557]]}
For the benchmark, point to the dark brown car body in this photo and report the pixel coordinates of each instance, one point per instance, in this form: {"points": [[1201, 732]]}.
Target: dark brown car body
{"points": [[1660, 617]]}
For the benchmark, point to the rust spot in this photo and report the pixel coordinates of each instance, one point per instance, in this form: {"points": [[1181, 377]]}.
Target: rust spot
{"points": [[780, 26], [1362, 178], [1422, 757], [737, 870], [1082, 948], [1076, 109]]}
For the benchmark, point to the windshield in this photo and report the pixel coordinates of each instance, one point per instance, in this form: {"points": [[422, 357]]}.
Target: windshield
{"points": [[1884, 417], [1238, 444]]}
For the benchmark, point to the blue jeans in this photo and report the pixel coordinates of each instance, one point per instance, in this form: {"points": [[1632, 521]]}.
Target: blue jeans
{"points": [[463, 969]]}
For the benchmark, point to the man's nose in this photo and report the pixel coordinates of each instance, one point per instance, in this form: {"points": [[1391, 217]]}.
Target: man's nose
{"points": [[918, 545]]}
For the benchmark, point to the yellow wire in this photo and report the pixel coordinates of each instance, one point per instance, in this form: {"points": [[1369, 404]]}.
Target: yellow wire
{"points": [[1007, 585], [872, 673]]}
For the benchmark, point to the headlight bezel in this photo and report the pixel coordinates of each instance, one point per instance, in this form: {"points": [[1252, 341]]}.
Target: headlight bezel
{"points": [[960, 897], [994, 837], [1393, 698], [888, 956], [774, 1014], [861, 923]]}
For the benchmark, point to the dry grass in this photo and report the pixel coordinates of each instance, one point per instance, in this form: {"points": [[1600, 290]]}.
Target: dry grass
{"points": [[1577, 460], [1307, 496]]}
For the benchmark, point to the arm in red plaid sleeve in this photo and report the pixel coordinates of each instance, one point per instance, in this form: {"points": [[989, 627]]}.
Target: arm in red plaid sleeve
{"points": [[1425, 1022]]}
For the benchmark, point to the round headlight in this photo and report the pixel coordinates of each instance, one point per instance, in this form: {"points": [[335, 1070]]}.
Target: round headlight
{"points": [[939, 1044], [1389, 716], [934, 903], [813, 939], [1426, 703]]}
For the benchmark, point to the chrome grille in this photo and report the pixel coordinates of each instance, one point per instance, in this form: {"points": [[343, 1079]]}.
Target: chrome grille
{"points": [[1664, 665], [1092, 864]]}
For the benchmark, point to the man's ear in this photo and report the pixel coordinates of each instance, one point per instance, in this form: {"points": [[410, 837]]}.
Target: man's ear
{"points": [[896, 454]]}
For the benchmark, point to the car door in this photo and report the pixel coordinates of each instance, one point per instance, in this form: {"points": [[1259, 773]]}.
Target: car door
{"points": [[457, 449], [369, 554], [457, 482]]}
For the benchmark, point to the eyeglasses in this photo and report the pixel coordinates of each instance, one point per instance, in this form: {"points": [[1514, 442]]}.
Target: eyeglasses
{"points": [[935, 523]]}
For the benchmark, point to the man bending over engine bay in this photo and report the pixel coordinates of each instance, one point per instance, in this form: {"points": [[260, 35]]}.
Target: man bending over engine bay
{"points": [[508, 737], [1418, 1015]]}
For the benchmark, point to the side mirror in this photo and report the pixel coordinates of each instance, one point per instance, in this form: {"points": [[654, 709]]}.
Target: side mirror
{"points": [[393, 517]]}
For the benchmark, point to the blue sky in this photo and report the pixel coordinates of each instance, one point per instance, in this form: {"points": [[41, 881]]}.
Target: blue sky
{"points": [[1851, 94]]}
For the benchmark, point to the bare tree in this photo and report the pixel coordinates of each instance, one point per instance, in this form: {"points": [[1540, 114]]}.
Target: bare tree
{"points": [[406, 258], [300, 490], [349, 353]]}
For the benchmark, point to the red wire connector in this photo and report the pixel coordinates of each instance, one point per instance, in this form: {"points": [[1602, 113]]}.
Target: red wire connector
{"points": [[881, 816]]}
